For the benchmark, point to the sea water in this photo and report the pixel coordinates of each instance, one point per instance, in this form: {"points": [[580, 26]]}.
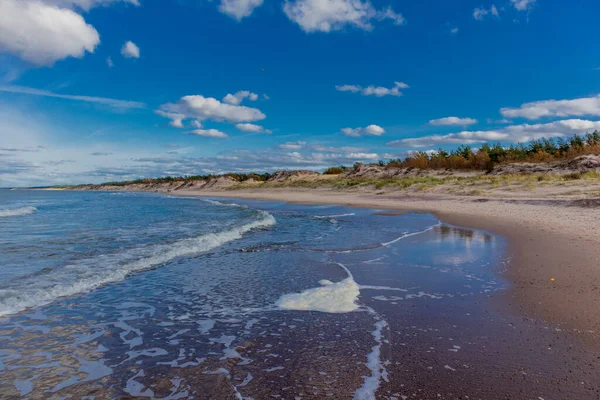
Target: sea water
{"points": [[109, 294]]}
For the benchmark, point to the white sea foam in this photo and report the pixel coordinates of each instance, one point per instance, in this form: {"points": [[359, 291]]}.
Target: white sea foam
{"points": [[333, 216], [339, 297], [16, 212], [86, 275], [404, 236], [371, 384], [342, 297], [218, 203]]}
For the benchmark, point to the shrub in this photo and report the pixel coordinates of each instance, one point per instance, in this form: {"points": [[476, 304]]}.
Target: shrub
{"points": [[334, 171]]}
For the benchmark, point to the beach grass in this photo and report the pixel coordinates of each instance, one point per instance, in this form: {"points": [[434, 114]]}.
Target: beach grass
{"points": [[466, 185]]}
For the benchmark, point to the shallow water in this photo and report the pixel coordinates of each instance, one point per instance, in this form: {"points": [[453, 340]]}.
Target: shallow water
{"points": [[143, 295]]}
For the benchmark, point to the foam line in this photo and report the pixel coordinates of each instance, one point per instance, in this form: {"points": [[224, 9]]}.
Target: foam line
{"points": [[333, 216]]}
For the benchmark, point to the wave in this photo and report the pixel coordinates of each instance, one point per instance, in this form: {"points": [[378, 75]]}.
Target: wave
{"points": [[333, 216], [16, 212], [218, 203], [86, 275]]}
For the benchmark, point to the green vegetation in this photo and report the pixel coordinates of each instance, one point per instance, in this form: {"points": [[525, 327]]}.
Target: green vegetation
{"points": [[335, 170]]}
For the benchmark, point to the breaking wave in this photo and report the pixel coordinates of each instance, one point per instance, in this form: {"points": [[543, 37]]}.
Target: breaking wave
{"points": [[88, 274], [16, 212]]}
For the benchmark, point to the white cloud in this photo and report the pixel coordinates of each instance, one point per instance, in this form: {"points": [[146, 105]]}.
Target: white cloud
{"points": [[210, 133], [122, 104], [555, 108], [371, 130], [43, 34], [130, 50], [86, 5], [480, 13], [389, 13], [511, 134], [363, 156], [236, 99], [523, 5], [348, 88], [454, 31], [201, 108], [239, 9], [176, 118], [266, 96], [371, 90], [109, 62], [292, 145], [252, 128], [197, 124], [333, 15], [333, 149], [452, 121]]}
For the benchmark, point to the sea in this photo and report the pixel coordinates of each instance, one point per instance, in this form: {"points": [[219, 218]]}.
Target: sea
{"points": [[110, 295]]}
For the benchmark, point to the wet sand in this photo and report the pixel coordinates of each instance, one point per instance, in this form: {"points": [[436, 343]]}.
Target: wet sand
{"points": [[555, 249], [545, 340]]}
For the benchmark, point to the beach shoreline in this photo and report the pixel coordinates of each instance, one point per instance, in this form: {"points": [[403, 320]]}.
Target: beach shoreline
{"points": [[554, 250]]}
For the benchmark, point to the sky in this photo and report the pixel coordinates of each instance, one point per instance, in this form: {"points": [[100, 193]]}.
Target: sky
{"points": [[102, 90]]}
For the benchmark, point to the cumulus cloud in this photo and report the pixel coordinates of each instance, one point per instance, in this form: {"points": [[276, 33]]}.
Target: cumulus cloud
{"points": [[523, 5], [210, 133], [555, 108], [454, 31], [252, 128], [452, 121], [120, 104], [480, 13], [109, 62], [236, 99], [371, 90], [176, 118], [333, 15], [511, 134], [43, 34], [239, 9], [371, 130], [130, 50], [202, 108]]}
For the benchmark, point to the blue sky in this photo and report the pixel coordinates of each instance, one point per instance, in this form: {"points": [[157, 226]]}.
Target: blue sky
{"points": [[99, 90]]}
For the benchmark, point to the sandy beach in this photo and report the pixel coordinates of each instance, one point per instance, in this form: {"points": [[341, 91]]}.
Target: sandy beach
{"points": [[314, 293], [555, 248]]}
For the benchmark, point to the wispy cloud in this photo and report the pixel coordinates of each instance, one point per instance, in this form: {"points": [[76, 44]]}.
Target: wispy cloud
{"points": [[509, 134], [371, 90], [480, 13], [121, 104], [523, 5], [555, 108], [452, 121]]}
